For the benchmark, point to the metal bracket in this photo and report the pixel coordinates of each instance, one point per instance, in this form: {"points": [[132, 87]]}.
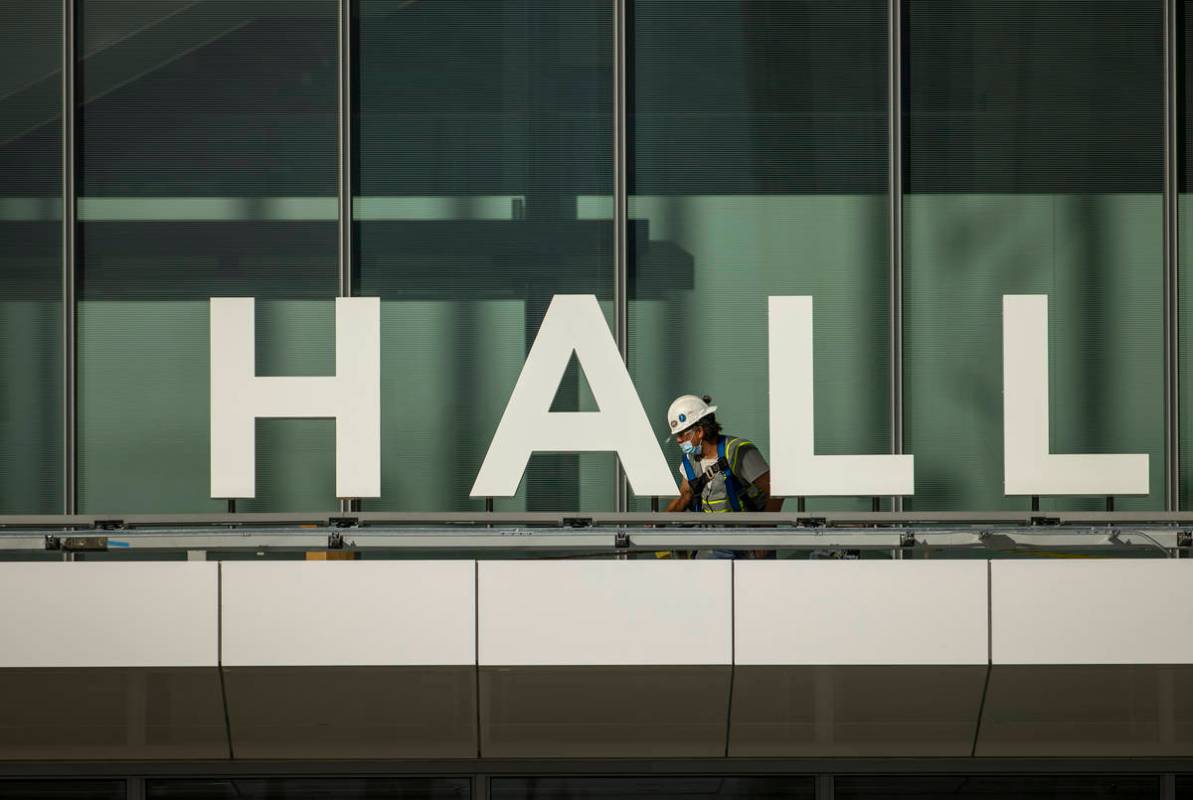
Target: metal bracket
{"points": [[811, 522], [621, 540], [343, 522], [79, 544], [108, 524], [907, 539], [577, 522], [1041, 520], [335, 541]]}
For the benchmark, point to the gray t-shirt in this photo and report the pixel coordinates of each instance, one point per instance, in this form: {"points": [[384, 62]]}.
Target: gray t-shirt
{"points": [[746, 462]]}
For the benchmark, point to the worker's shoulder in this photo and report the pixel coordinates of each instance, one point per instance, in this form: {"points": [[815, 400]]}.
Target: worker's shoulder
{"points": [[738, 441]]}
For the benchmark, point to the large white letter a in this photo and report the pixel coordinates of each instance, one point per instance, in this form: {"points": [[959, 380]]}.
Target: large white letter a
{"points": [[574, 323]]}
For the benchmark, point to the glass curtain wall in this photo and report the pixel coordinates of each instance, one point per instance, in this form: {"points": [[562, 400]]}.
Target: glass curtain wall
{"points": [[759, 167], [995, 787], [716, 787], [63, 790], [207, 168], [31, 407], [285, 788], [484, 127], [1185, 252], [484, 171], [1034, 155]]}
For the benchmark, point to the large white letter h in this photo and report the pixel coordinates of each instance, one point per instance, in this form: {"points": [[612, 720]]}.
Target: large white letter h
{"points": [[352, 397]]}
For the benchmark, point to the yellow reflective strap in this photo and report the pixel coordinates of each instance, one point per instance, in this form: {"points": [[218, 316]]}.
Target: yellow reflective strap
{"points": [[736, 444]]}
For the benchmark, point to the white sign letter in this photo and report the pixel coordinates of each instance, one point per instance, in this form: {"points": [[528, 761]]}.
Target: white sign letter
{"points": [[796, 471], [352, 397], [574, 323], [1028, 466]]}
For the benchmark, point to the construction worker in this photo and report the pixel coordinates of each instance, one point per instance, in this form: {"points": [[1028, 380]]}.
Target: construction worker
{"points": [[718, 472]]}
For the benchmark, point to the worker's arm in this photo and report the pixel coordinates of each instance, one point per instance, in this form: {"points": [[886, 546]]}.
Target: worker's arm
{"points": [[762, 482], [684, 500]]}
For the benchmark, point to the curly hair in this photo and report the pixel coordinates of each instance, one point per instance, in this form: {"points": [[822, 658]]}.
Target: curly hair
{"points": [[709, 424]]}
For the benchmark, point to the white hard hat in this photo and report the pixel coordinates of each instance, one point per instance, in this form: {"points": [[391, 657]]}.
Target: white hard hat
{"points": [[686, 411]]}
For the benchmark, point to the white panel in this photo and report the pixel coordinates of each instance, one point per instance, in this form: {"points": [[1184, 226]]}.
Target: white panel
{"points": [[860, 612], [603, 613], [1029, 468], [109, 615], [349, 613], [1116, 611], [796, 469], [352, 397]]}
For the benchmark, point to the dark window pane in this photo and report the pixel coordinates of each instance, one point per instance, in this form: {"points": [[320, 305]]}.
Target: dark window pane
{"points": [[62, 790], [485, 143], [655, 788], [759, 163], [1185, 233], [208, 168], [1034, 96], [1034, 152], [311, 789], [1000, 787], [31, 258]]}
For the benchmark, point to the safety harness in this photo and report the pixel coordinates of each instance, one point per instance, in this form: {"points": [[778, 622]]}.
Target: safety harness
{"points": [[697, 483]]}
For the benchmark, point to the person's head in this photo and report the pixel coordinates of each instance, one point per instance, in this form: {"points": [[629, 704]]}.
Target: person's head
{"points": [[693, 421]]}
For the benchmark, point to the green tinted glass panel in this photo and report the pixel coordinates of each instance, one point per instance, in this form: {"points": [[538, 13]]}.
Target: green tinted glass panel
{"points": [[208, 168], [1185, 296], [31, 468], [1034, 152], [758, 152], [484, 130]]}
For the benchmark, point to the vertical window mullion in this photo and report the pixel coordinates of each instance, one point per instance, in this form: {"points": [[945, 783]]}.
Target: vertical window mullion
{"points": [[69, 230]]}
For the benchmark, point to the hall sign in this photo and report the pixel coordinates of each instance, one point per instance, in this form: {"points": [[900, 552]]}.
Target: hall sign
{"points": [[575, 324]]}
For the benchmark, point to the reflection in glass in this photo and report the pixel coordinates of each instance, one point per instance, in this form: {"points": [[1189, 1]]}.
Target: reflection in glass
{"points": [[759, 167], [208, 168], [1034, 154], [31, 408], [484, 132], [1185, 261]]}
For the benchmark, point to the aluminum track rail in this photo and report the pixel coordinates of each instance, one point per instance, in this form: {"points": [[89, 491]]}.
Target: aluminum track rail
{"points": [[903, 535]]}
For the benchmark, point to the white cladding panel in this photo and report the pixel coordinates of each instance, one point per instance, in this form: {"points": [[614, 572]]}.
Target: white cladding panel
{"points": [[1113, 611], [860, 612], [78, 614], [349, 613], [605, 613]]}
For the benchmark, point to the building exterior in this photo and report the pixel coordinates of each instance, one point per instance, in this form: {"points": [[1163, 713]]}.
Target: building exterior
{"points": [[908, 165]]}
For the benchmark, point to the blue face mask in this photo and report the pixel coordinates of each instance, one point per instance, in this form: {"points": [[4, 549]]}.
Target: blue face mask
{"points": [[689, 448]]}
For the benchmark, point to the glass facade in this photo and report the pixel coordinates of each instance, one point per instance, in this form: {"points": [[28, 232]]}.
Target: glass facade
{"points": [[1033, 166], [759, 167], [996, 787], [570, 787], [62, 790], [285, 788], [31, 408], [662, 787], [482, 165], [485, 128], [207, 152]]}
